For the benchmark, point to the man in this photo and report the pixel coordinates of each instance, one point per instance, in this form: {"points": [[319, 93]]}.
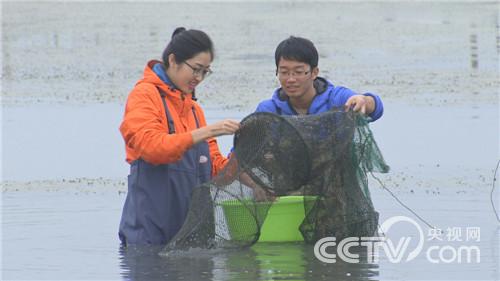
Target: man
{"points": [[344, 210], [303, 92]]}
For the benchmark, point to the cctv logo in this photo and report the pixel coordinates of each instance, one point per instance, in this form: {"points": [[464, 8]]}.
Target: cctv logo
{"points": [[394, 251], [343, 249]]}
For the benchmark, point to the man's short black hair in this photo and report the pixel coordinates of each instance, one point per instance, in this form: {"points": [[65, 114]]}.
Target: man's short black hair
{"points": [[297, 49]]}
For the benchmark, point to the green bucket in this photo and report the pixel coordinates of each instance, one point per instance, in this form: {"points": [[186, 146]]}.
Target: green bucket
{"points": [[281, 224]]}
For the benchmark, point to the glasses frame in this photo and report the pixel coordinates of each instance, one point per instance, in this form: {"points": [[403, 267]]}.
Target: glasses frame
{"points": [[201, 72], [293, 74]]}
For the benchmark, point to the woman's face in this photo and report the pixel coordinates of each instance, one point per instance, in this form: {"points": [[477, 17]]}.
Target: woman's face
{"points": [[188, 74]]}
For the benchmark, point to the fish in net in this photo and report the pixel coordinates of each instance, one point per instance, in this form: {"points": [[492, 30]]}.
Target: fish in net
{"points": [[324, 158]]}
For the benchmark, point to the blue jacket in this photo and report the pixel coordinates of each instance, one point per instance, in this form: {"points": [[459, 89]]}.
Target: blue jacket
{"points": [[327, 97]]}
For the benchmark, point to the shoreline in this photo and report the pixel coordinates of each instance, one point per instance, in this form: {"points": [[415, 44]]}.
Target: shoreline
{"points": [[405, 180]]}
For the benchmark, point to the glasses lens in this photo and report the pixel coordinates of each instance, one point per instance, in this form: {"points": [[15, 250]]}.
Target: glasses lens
{"points": [[201, 72]]}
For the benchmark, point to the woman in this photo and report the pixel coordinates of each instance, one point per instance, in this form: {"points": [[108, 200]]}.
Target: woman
{"points": [[169, 146]]}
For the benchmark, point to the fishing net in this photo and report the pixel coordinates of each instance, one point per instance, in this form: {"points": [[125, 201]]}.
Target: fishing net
{"points": [[320, 159]]}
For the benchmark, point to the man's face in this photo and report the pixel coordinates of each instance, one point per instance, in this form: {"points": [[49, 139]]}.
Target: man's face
{"points": [[296, 78]]}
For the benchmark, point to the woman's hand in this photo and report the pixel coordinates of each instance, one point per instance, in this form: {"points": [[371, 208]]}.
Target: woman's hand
{"points": [[224, 127], [221, 128]]}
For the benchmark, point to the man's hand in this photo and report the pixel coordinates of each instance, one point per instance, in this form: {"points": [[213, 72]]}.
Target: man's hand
{"points": [[261, 195], [360, 103]]}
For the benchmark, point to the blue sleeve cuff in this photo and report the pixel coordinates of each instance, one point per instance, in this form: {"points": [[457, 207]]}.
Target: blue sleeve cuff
{"points": [[379, 107]]}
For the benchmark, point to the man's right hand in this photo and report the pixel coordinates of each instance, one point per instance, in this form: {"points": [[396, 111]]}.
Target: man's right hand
{"points": [[261, 195]]}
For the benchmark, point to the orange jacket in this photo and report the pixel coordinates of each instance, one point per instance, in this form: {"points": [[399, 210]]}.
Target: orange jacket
{"points": [[145, 128]]}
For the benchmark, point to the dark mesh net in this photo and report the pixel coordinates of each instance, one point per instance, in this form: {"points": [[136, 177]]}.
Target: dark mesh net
{"points": [[323, 158]]}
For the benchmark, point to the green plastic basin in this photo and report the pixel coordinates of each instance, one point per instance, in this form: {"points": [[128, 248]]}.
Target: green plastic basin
{"points": [[281, 224]]}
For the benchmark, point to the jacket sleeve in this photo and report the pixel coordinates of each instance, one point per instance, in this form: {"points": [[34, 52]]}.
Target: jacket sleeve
{"points": [[144, 130], [218, 160], [266, 106], [379, 106]]}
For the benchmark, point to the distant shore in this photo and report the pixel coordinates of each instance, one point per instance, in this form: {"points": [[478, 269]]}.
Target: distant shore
{"points": [[78, 53]]}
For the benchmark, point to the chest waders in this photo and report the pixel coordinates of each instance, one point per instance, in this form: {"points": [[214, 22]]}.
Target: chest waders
{"points": [[158, 195]]}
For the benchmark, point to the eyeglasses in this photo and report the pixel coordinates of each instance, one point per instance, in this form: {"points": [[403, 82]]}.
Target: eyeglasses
{"points": [[201, 72], [296, 74]]}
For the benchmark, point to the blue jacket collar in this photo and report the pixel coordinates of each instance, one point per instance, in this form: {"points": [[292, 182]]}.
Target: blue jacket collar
{"points": [[159, 69], [322, 87]]}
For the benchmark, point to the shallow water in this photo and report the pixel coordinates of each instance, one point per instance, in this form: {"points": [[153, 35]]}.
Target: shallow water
{"points": [[70, 232], [84, 141], [72, 235]]}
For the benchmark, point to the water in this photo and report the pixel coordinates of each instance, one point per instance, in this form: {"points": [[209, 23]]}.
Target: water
{"points": [[54, 230], [84, 141], [60, 235], [264, 261], [73, 236]]}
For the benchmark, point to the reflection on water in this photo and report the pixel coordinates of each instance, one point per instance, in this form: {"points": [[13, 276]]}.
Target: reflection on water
{"points": [[61, 235], [263, 261], [144, 263]]}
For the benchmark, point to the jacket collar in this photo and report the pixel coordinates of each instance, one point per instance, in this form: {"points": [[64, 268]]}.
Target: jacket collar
{"points": [[159, 70], [322, 86]]}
